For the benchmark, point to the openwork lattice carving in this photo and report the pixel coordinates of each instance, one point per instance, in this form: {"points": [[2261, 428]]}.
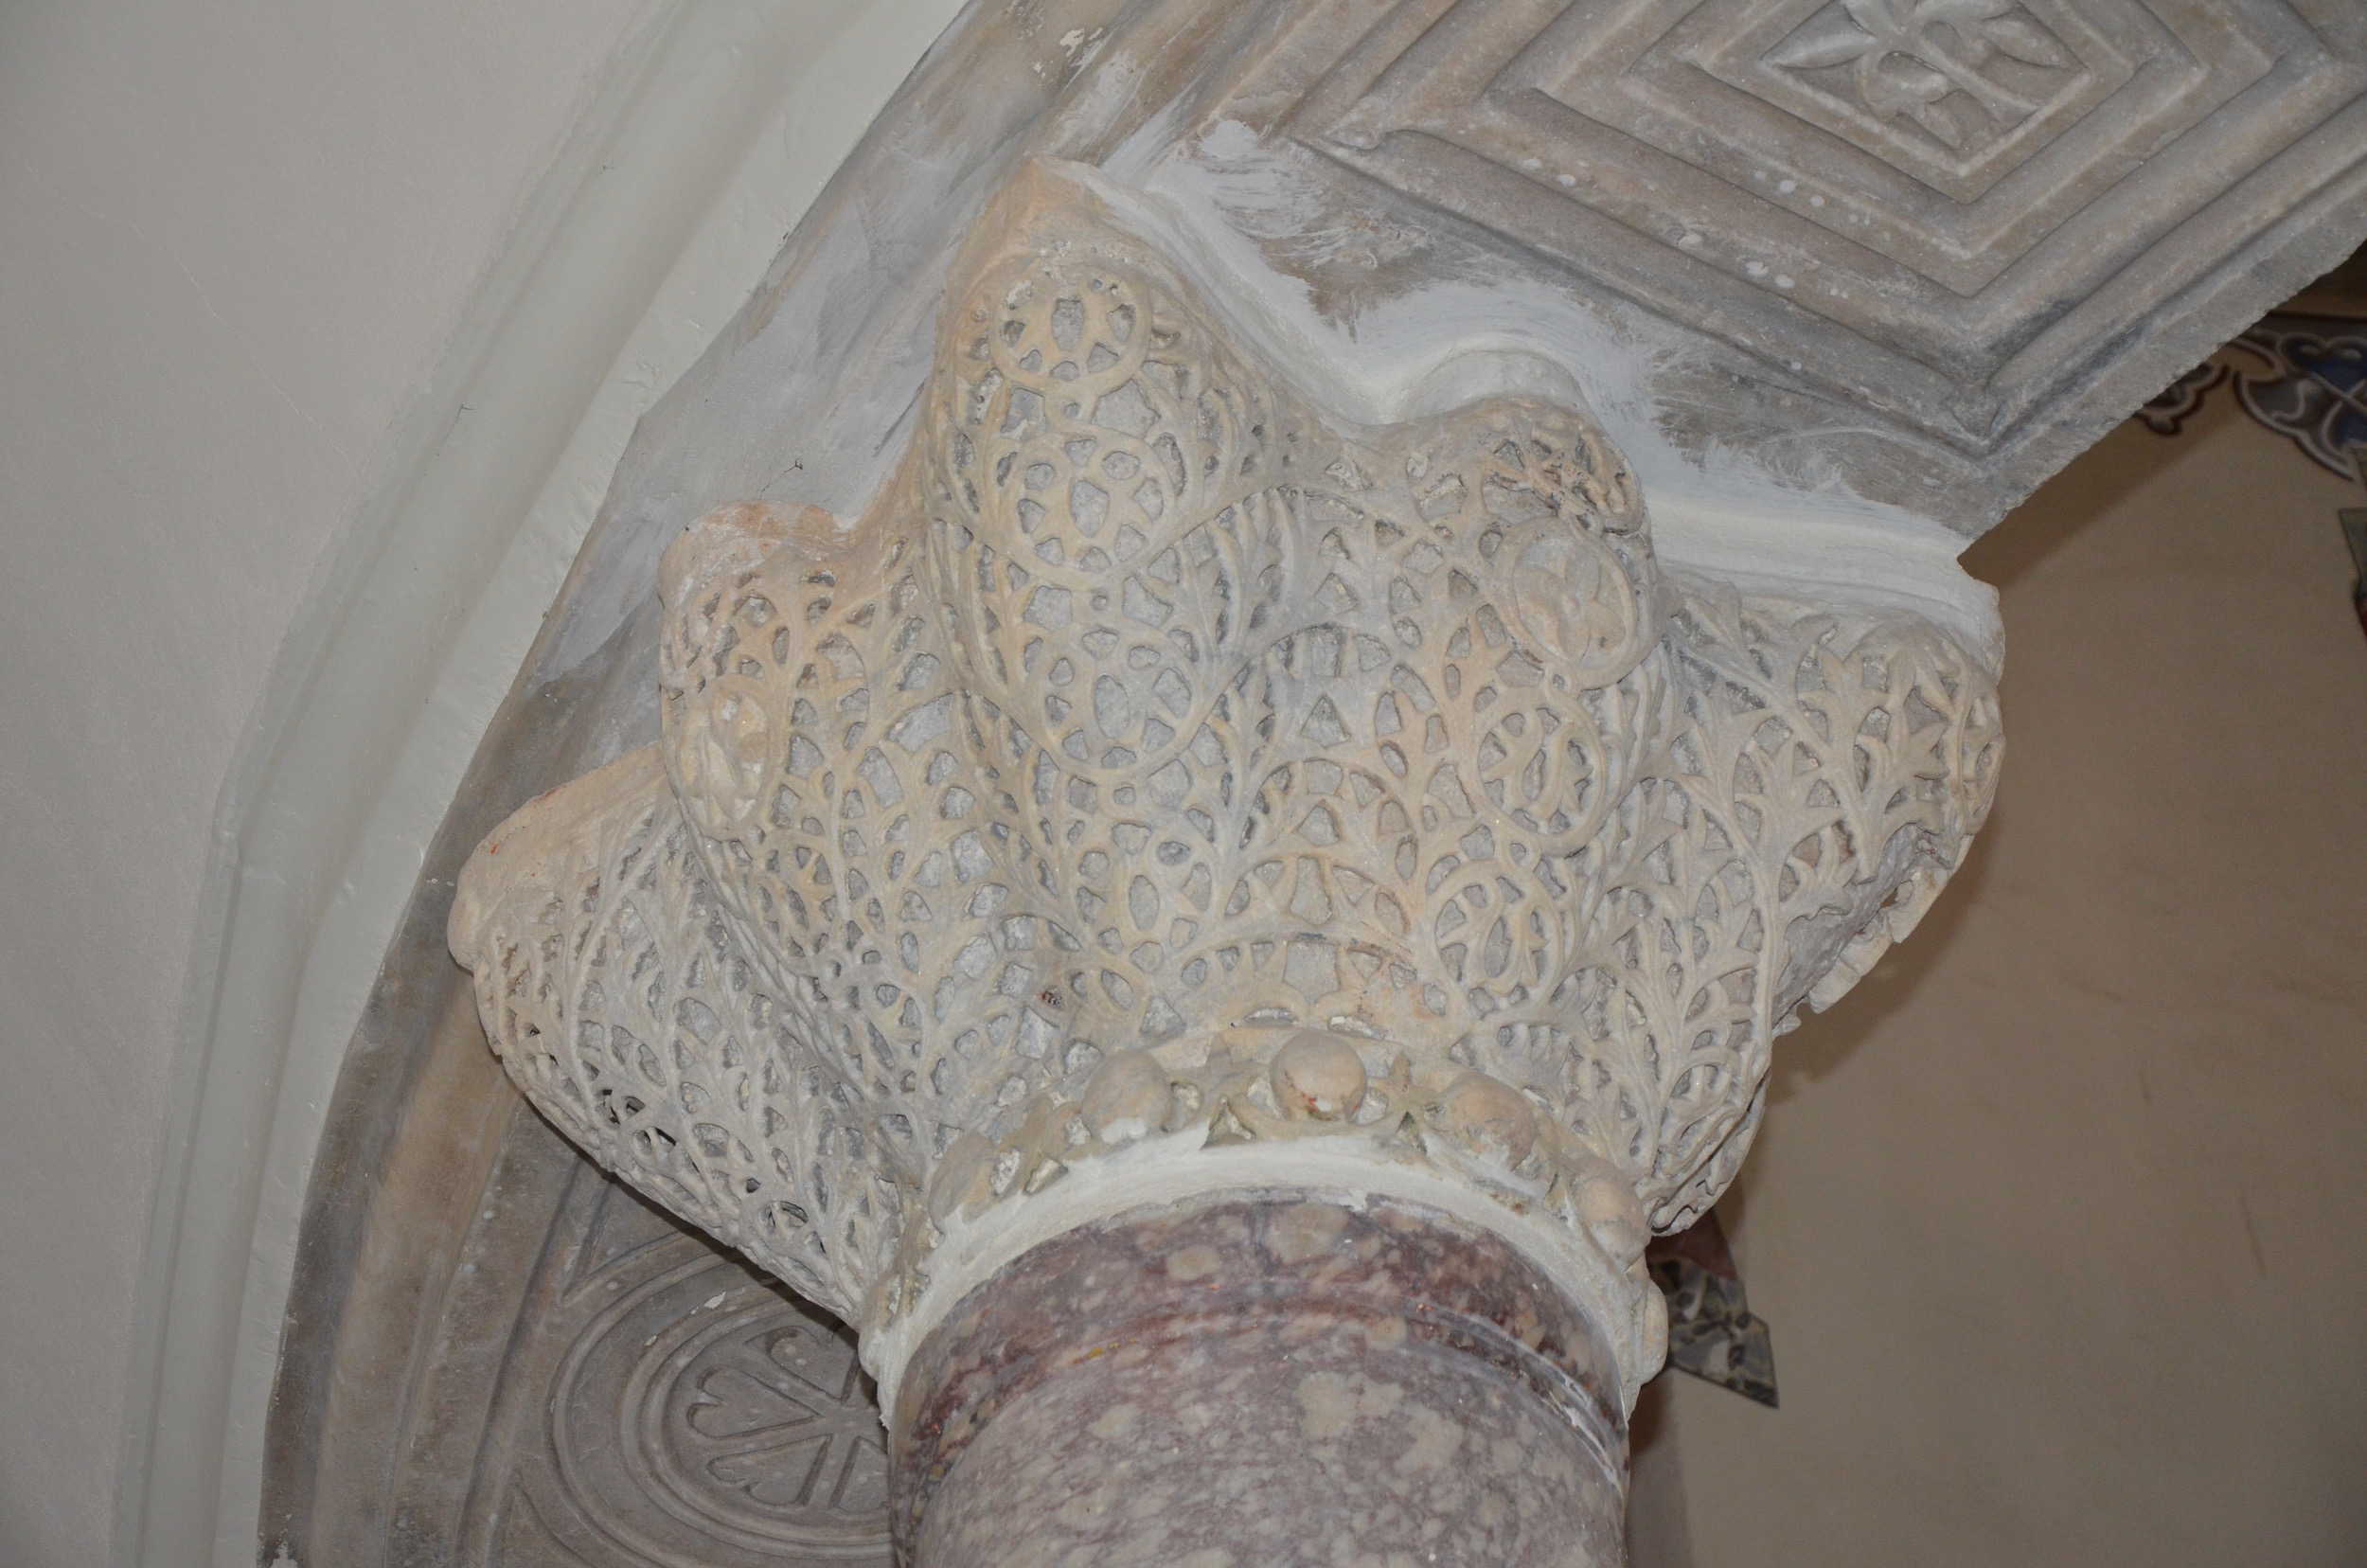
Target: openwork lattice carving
{"points": [[1165, 761]]}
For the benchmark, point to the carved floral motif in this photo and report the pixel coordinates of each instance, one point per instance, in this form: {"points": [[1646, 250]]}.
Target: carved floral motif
{"points": [[694, 1417], [1967, 71], [1164, 758]]}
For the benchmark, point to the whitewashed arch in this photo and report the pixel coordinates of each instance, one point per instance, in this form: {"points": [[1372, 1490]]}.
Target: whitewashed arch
{"points": [[717, 126]]}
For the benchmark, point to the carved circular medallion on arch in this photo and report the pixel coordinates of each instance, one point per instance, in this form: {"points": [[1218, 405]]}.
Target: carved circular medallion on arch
{"points": [[705, 1410]]}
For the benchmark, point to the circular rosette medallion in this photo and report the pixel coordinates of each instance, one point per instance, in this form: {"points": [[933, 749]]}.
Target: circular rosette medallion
{"points": [[1572, 603], [712, 1418]]}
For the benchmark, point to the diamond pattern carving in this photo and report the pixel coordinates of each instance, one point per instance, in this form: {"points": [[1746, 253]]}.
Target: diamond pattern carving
{"points": [[1918, 203]]}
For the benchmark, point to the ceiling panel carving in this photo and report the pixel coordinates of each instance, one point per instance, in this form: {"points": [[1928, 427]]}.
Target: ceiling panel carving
{"points": [[1940, 208]]}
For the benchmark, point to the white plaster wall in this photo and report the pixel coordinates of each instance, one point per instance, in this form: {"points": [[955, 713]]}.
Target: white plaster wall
{"points": [[2058, 1216], [234, 239]]}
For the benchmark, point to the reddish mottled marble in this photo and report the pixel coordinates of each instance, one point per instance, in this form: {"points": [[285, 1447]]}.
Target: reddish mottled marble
{"points": [[1263, 1380]]}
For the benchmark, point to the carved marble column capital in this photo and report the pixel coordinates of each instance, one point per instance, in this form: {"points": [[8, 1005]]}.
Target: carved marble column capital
{"points": [[1168, 785]]}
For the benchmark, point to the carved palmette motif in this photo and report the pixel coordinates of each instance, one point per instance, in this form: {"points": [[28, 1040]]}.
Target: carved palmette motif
{"points": [[1162, 756]]}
